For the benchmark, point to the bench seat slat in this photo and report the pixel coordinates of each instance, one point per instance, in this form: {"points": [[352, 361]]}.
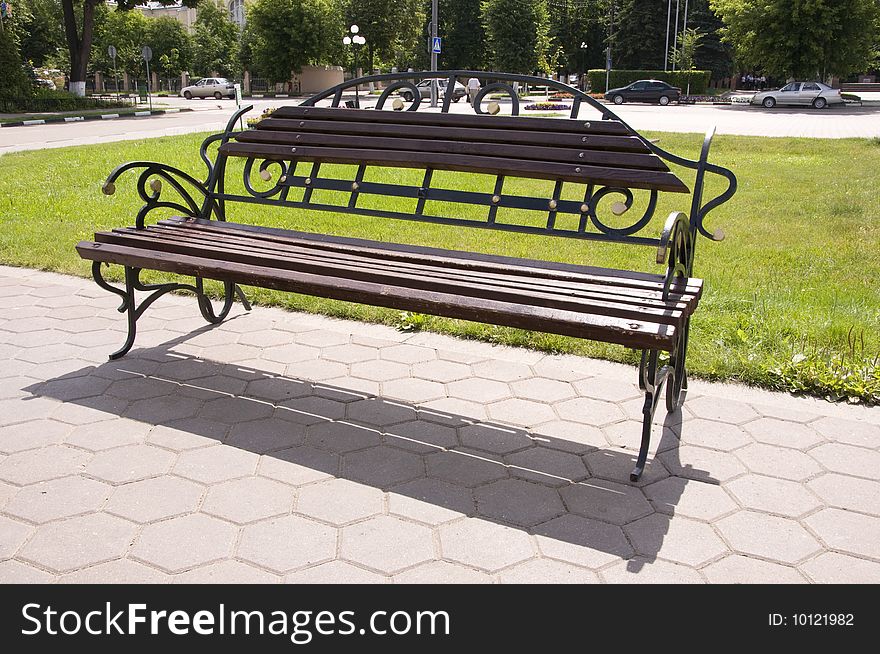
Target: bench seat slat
{"points": [[578, 173], [473, 288], [641, 297], [629, 333]]}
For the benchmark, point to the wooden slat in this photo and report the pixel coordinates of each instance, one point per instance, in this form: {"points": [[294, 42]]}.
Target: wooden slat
{"points": [[583, 173], [472, 288], [614, 330], [597, 126], [493, 135], [465, 146], [367, 260], [553, 270]]}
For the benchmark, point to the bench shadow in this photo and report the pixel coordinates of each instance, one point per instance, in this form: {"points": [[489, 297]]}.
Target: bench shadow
{"points": [[572, 494]]}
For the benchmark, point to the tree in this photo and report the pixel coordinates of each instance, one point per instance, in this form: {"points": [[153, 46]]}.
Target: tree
{"points": [[171, 45], [802, 39], [517, 35], [684, 56], [640, 34], [41, 34], [578, 34], [285, 35], [393, 30], [14, 82], [712, 53], [215, 41], [79, 32], [124, 30], [464, 39]]}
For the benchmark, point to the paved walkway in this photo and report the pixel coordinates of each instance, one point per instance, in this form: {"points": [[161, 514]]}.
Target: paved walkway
{"points": [[288, 447]]}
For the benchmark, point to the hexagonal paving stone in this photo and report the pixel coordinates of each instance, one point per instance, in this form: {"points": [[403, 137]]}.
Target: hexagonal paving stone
{"points": [[231, 352], [494, 438], [231, 410], [317, 370], [300, 465], [322, 338], [679, 540], [847, 531], [484, 545], [574, 437], [248, 499], [442, 572], [187, 434], [606, 500], [846, 492], [264, 338], [453, 411], [547, 571], [546, 466], [518, 502], [343, 436], [380, 370], [770, 537], [421, 436], [59, 498], [542, 389], [465, 467], [609, 390], [641, 571], [290, 354], [335, 572], [277, 389], [184, 542], [382, 466], [702, 464], [78, 542], [518, 411], [267, 435], [310, 410], [75, 388], [408, 354], [778, 462], [108, 434], [479, 390], [505, 371], [714, 435], [227, 572], [737, 569], [387, 544], [140, 388], [41, 465], [413, 389], [339, 501], [6, 493], [380, 412], [350, 353], [772, 495], [582, 541], [694, 499], [32, 434], [130, 463], [441, 371], [851, 432], [21, 409], [431, 501], [783, 433], [836, 568], [721, 409], [15, 572], [589, 411], [285, 544], [347, 389], [155, 499], [48, 353], [617, 465], [214, 464], [13, 535], [848, 459], [120, 571]]}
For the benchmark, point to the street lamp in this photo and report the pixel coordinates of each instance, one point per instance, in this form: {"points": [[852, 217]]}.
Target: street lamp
{"points": [[354, 41]]}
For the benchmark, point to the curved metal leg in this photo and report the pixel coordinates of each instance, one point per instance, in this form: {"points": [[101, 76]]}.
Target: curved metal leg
{"points": [[230, 290], [651, 380]]}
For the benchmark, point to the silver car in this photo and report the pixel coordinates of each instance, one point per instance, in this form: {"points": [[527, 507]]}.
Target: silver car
{"points": [[209, 87], [804, 94]]}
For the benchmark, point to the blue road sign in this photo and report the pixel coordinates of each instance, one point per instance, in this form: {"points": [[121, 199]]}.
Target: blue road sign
{"points": [[435, 44]]}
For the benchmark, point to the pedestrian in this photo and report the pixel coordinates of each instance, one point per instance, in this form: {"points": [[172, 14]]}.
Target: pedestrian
{"points": [[473, 87]]}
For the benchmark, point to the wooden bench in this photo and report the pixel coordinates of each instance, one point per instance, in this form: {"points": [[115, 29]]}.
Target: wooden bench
{"points": [[284, 162]]}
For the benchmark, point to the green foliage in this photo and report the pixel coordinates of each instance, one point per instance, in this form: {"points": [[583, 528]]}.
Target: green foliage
{"points": [[698, 79], [47, 100], [640, 34], [803, 39], [517, 35], [573, 23], [214, 42], [393, 30], [285, 35], [41, 32], [171, 45], [127, 31], [712, 53], [14, 81], [464, 39], [684, 56]]}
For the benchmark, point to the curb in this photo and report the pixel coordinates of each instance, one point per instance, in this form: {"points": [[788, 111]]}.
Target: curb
{"points": [[107, 116]]}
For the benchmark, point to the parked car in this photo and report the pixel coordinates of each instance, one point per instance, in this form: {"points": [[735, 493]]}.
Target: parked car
{"points": [[645, 90], [804, 94], [424, 88], [216, 87]]}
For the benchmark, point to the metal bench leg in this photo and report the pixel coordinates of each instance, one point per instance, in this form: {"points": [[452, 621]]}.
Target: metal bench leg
{"points": [[230, 290], [651, 379]]}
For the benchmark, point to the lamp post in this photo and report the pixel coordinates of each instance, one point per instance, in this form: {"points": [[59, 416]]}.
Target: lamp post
{"points": [[354, 41]]}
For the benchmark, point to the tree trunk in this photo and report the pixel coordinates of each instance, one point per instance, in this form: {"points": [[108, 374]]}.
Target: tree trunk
{"points": [[79, 44]]}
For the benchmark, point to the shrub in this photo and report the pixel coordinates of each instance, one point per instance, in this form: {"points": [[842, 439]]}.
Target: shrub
{"points": [[47, 100], [547, 106], [698, 79]]}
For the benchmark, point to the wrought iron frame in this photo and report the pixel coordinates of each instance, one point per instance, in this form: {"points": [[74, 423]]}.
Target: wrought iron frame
{"points": [[207, 199]]}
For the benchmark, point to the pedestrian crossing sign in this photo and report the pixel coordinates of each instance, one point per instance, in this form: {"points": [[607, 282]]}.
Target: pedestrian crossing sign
{"points": [[435, 44]]}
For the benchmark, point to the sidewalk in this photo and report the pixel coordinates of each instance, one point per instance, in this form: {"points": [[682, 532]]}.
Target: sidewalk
{"points": [[289, 447]]}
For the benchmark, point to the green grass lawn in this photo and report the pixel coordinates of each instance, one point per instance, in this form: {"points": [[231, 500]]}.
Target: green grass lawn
{"points": [[792, 299]]}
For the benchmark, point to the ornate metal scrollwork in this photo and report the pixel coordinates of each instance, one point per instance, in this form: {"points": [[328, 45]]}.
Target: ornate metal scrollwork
{"points": [[495, 87], [265, 171], [618, 209]]}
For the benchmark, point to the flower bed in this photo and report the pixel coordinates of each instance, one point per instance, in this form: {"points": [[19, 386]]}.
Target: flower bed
{"points": [[546, 106]]}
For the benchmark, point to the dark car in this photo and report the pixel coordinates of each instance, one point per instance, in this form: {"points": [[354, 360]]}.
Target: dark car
{"points": [[645, 90]]}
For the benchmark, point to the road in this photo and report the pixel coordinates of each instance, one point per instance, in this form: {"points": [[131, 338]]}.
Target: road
{"points": [[211, 115]]}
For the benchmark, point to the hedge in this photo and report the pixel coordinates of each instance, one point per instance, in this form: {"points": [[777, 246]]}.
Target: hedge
{"points": [[699, 79], [45, 100]]}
